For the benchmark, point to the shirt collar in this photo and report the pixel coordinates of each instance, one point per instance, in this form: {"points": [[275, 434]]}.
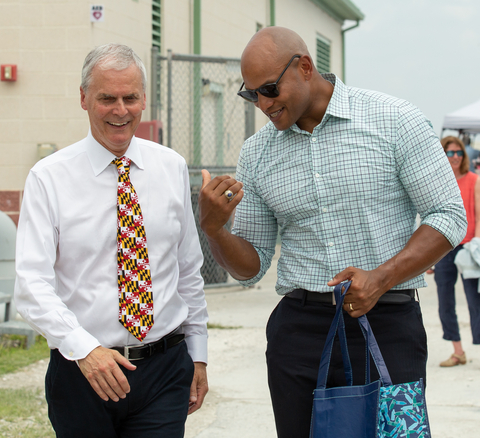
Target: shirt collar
{"points": [[339, 105], [100, 157]]}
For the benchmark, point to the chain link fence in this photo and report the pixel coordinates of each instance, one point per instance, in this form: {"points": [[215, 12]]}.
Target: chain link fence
{"points": [[203, 120]]}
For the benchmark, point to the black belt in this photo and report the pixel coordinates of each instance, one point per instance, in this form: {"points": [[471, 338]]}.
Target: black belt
{"points": [[143, 351], [389, 297]]}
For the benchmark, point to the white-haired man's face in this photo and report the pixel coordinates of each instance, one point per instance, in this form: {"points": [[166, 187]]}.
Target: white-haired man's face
{"points": [[114, 101]]}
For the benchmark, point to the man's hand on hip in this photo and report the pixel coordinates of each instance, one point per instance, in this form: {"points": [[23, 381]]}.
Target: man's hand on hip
{"points": [[101, 370]]}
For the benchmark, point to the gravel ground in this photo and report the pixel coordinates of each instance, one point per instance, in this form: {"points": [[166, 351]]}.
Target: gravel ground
{"points": [[30, 377]]}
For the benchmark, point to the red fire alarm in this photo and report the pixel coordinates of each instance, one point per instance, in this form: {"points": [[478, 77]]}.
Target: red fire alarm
{"points": [[8, 72]]}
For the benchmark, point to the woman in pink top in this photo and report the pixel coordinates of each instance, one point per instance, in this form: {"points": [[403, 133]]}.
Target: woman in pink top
{"points": [[445, 270]]}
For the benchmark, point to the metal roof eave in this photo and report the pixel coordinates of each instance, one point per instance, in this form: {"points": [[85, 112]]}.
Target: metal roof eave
{"points": [[340, 10]]}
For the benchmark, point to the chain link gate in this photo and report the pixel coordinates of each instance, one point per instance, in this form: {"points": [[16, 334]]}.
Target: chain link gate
{"points": [[203, 119]]}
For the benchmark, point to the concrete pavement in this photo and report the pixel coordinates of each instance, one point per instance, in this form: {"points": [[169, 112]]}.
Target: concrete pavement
{"points": [[238, 404]]}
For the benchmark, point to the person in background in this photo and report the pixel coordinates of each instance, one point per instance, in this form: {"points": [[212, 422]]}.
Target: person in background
{"points": [[472, 153], [108, 269], [340, 173], [445, 271]]}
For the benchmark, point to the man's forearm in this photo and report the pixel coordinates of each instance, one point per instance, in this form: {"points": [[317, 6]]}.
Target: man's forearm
{"points": [[425, 248], [235, 255]]}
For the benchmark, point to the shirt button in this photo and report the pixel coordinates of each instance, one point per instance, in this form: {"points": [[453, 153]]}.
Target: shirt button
{"points": [[70, 354], [324, 209], [314, 138], [317, 175], [330, 243]]}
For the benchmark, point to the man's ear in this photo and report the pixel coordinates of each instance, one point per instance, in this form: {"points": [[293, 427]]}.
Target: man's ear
{"points": [[306, 66], [82, 99]]}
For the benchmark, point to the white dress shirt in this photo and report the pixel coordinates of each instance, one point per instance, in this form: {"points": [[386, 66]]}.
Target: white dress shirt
{"points": [[66, 260]]}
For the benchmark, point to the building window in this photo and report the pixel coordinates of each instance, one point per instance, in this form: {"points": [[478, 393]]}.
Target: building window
{"points": [[323, 54], [156, 34]]}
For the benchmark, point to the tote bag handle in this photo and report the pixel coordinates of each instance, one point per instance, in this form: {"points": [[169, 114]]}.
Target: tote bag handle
{"points": [[338, 324]]}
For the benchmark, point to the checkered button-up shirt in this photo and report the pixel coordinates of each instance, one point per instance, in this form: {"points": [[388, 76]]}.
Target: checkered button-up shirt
{"points": [[347, 194]]}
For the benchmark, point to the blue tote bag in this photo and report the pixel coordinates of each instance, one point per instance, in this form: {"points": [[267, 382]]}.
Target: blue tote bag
{"points": [[374, 410]]}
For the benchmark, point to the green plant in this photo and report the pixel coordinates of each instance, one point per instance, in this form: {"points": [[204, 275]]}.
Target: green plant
{"points": [[13, 354]]}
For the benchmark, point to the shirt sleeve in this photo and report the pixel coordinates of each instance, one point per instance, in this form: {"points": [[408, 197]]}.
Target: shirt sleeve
{"points": [[35, 297], [254, 221], [190, 283], [427, 176]]}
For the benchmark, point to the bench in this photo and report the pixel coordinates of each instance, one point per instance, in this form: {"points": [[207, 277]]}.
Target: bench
{"points": [[15, 327]]}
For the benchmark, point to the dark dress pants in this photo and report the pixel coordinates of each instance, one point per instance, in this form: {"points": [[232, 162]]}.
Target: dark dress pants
{"points": [[446, 274], [156, 406], [296, 334]]}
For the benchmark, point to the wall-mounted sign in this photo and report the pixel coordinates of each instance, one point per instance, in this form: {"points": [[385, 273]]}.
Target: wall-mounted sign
{"points": [[96, 13]]}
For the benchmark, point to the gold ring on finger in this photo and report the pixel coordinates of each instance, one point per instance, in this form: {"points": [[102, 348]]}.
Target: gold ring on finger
{"points": [[228, 194]]}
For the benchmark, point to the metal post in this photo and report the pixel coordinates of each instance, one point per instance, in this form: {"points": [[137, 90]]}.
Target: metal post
{"points": [[197, 85], [169, 99], [249, 119], [197, 27], [272, 12], [154, 104], [219, 134]]}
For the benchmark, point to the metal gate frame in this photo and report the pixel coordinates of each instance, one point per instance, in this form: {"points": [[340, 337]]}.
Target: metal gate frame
{"points": [[216, 277]]}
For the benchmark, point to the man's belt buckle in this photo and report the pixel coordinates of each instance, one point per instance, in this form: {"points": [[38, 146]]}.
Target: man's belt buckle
{"points": [[333, 299], [126, 353]]}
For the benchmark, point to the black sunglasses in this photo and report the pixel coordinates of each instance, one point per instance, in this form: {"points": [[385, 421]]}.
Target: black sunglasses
{"points": [[267, 90], [450, 154]]}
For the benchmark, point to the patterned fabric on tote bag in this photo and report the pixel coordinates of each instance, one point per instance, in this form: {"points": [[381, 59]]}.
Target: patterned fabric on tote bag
{"points": [[402, 411]]}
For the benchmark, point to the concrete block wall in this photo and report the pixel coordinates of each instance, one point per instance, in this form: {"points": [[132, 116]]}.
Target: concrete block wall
{"points": [[48, 41]]}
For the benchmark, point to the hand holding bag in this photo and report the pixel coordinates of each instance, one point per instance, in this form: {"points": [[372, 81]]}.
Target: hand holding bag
{"points": [[374, 410]]}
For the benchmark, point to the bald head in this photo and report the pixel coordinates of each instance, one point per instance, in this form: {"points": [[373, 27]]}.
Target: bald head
{"points": [[274, 44], [277, 57]]}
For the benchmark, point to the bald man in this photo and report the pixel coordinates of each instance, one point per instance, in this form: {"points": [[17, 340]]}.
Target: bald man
{"points": [[341, 174]]}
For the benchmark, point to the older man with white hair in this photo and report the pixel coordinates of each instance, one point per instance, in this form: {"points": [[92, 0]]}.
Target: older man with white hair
{"points": [[108, 269]]}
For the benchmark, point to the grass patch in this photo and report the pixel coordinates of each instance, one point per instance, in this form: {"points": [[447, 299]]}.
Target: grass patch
{"points": [[23, 413], [21, 403], [222, 327], [13, 354]]}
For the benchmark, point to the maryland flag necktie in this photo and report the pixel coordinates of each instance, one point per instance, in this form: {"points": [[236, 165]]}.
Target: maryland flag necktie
{"points": [[134, 279]]}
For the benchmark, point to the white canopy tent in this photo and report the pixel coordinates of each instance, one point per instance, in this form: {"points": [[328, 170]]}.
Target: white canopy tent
{"points": [[464, 120]]}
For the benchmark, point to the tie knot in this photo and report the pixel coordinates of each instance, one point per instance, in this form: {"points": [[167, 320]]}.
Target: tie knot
{"points": [[123, 165]]}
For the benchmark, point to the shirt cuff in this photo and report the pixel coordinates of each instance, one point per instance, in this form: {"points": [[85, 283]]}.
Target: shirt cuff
{"points": [[454, 234], [265, 256], [253, 280], [78, 344], [197, 348]]}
